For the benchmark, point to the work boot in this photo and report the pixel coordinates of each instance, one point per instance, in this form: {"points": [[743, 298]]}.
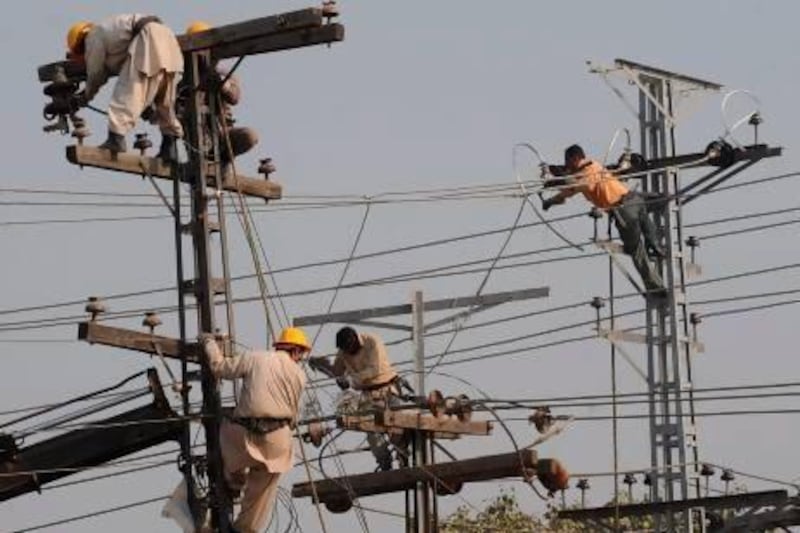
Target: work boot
{"points": [[168, 152], [384, 460], [115, 143]]}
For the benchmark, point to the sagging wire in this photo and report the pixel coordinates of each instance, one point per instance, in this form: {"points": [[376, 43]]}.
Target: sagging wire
{"points": [[84, 397], [614, 138], [346, 267], [245, 219], [526, 478], [321, 454], [526, 195], [94, 514], [729, 129], [464, 317], [369, 255]]}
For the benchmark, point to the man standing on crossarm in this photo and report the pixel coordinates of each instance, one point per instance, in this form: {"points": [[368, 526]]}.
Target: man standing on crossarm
{"points": [[628, 209], [256, 441], [146, 58], [363, 362]]}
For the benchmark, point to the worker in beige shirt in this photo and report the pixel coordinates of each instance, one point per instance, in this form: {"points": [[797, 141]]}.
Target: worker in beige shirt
{"points": [[146, 57], [362, 362], [256, 441]]}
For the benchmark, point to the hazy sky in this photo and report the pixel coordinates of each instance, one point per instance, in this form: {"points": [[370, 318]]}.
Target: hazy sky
{"points": [[420, 95]]}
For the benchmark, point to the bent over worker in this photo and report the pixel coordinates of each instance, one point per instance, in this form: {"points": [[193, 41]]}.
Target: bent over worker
{"points": [[605, 191], [362, 359], [256, 441], [146, 57]]}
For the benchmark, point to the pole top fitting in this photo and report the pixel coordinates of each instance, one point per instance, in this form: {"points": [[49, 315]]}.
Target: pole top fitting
{"points": [[266, 167], [707, 470], [583, 484], [330, 9], [151, 320], [629, 479], [95, 306], [695, 318], [692, 241], [597, 302], [142, 143]]}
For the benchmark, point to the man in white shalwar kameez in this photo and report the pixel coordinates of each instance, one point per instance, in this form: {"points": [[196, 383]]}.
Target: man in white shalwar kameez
{"points": [[146, 58]]}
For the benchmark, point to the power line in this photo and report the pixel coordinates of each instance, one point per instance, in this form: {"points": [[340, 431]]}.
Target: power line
{"points": [[93, 514], [433, 243]]}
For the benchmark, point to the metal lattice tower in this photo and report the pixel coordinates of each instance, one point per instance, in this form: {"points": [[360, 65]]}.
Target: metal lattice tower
{"points": [[674, 452]]}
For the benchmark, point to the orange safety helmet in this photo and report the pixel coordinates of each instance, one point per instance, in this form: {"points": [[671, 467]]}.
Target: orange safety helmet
{"points": [[197, 26], [293, 337], [76, 36]]}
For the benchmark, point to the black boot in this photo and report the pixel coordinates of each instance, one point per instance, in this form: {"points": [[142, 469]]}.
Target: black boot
{"points": [[115, 143], [168, 152]]}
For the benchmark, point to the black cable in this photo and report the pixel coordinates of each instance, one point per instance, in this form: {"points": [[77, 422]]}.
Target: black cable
{"points": [[94, 514], [71, 401], [318, 264], [573, 404]]}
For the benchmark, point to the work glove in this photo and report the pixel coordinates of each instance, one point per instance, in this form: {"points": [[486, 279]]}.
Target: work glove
{"points": [[405, 385], [343, 383], [317, 363]]}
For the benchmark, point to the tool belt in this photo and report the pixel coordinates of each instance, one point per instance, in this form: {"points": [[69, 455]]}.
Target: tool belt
{"points": [[139, 25], [372, 388], [261, 426]]}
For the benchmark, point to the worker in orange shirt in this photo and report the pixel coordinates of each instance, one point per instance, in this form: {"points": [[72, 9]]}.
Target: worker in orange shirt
{"points": [[605, 191]]}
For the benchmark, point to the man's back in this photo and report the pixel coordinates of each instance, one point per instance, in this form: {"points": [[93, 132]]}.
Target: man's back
{"points": [[271, 385], [602, 188]]}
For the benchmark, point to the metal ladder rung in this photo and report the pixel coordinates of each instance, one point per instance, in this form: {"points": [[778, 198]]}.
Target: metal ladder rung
{"points": [[213, 227], [217, 286]]}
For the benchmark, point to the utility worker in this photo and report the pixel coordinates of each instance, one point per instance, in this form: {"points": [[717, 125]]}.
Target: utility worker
{"points": [[256, 441], [242, 139], [146, 57], [363, 362], [605, 191]]}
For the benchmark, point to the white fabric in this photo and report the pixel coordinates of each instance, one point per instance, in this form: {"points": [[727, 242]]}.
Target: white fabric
{"points": [[149, 67], [177, 508]]}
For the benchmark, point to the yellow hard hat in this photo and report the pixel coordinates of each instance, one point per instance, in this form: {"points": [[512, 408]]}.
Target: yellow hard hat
{"points": [[293, 337], [197, 26], [76, 34]]}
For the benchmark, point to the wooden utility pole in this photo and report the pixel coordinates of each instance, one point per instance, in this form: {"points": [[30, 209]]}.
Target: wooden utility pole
{"points": [[420, 480], [203, 174]]}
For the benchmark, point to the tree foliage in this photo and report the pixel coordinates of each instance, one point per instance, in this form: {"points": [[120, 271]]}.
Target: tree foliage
{"points": [[503, 514]]}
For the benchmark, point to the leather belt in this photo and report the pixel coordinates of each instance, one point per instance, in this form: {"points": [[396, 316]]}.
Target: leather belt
{"points": [[261, 426], [370, 388], [139, 25]]}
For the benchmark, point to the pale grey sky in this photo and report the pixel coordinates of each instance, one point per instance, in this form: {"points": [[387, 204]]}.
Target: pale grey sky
{"points": [[419, 95]]}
